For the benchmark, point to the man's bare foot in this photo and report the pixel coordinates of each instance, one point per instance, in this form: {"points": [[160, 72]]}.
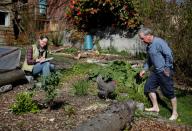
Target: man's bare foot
{"points": [[173, 117], [152, 109]]}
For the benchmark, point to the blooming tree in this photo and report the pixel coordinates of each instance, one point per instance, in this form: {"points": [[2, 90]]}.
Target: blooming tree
{"points": [[93, 13]]}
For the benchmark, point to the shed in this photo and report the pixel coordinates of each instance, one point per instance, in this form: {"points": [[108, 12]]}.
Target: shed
{"points": [[6, 27]]}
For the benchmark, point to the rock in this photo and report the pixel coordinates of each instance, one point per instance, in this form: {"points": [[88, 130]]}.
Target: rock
{"points": [[29, 78], [5, 88], [140, 106], [52, 119]]}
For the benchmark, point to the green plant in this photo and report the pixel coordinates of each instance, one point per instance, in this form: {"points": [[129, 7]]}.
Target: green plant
{"points": [[125, 77], [96, 43], [77, 35], [81, 87], [24, 103], [69, 110], [80, 68], [56, 37], [122, 97], [49, 85], [71, 50], [141, 56]]}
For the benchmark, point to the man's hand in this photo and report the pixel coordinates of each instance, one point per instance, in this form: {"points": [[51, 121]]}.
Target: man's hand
{"points": [[167, 72], [142, 73]]}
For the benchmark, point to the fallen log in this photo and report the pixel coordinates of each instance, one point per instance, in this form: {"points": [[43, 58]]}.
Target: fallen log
{"points": [[11, 76], [114, 119]]}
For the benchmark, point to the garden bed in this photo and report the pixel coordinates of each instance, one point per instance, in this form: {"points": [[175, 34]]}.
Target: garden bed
{"points": [[68, 111]]}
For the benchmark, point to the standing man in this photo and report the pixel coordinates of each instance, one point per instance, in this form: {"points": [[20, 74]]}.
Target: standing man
{"points": [[161, 59]]}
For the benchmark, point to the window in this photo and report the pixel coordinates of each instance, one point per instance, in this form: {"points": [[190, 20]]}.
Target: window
{"points": [[42, 7], [23, 1], [4, 18]]}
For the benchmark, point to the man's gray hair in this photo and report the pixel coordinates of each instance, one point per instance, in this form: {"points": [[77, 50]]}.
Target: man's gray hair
{"points": [[145, 31]]}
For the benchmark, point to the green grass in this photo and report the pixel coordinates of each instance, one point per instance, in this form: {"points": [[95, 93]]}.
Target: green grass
{"points": [[78, 69], [184, 105], [81, 87]]}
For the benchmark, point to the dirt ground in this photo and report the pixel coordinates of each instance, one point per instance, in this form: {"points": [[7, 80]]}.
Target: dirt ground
{"points": [[146, 124], [58, 118]]}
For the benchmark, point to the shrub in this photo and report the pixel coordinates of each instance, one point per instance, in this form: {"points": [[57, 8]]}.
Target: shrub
{"points": [[49, 85], [87, 14], [24, 103], [56, 38], [76, 35]]}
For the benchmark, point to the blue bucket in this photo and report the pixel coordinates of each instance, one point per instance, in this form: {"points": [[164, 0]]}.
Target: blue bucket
{"points": [[88, 42]]}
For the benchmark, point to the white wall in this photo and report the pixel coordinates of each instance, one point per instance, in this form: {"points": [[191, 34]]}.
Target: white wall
{"points": [[131, 45]]}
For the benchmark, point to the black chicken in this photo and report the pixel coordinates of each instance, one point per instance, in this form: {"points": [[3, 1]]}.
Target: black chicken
{"points": [[106, 89]]}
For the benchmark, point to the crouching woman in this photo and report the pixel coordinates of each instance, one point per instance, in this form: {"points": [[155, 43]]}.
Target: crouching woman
{"points": [[35, 58]]}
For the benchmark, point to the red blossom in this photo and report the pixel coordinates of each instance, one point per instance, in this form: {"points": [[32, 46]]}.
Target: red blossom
{"points": [[73, 2], [79, 13], [71, 6]]}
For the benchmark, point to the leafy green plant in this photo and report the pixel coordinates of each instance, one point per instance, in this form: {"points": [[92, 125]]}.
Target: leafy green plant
{"points": [[125, 77], [81, 87], [116, 70], [50, 84], [24, 103]]}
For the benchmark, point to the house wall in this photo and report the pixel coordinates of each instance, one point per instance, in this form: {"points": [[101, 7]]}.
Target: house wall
{"points": [[55, 13], [6, 30]]}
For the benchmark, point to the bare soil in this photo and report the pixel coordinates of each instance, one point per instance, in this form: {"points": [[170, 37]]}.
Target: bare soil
{"points": [[146, 124], [56, 118]]}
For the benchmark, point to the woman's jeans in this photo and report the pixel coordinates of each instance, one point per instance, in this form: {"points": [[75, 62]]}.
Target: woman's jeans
{"points": [[43, 68]]}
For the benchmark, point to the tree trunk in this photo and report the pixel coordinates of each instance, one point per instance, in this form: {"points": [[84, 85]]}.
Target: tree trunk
{"points": [[114, 119], [11, 76]]}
